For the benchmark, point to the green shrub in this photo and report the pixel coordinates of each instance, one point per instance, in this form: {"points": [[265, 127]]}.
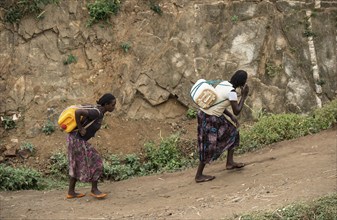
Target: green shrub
{"points": [[133, 161], [235, 19], [271, 129], [117, 169], [8, 123], [28, 146], [58, 166], [272, 69], [101, 10], [19, 178], [24, 7], [71, 59], [307, 30], [113, 169], [48, 128], [156, 8], [309, 33], [274, 128], [191, 113], [165, 157], [125, 46], [323, 208], [322, 118]]}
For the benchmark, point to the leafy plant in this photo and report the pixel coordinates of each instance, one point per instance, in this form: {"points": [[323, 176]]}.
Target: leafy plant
{"points": [[125, 46], [120, 169], [27, 146], [320, 82], [58, 165], [24, 7], [71, 59], [235, 19], [274, 128], [322, 118], [164, 157], [309, 33], [48, 128], [19, 178], [156, 8], [307, 30], [191, 113], [8, 123], [273, 70], [101, 10], [319, 209]]}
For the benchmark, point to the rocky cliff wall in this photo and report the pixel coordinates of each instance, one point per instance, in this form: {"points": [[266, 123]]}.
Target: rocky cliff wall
{"points": [[288, 49]]}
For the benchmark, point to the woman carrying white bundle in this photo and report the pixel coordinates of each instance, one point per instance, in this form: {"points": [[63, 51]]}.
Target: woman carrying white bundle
{"points": [[216, 133]]}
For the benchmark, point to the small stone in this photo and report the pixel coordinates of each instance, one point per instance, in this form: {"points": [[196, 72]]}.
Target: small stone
{"points": [[10, 152], [25, 153]]}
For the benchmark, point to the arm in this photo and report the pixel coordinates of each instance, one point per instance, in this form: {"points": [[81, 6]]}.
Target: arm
{"points": [[79, 113], [232, 117], [237, 107]]}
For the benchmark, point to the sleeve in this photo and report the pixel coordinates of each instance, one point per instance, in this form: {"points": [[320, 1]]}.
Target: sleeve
{"points": [[232, 96]]}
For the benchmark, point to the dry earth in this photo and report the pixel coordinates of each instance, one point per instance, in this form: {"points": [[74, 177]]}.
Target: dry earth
{"points": [[282, 173]]}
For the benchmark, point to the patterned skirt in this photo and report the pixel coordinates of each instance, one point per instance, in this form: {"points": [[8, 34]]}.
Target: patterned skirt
{"points": [[85, 164], [215, 135]]}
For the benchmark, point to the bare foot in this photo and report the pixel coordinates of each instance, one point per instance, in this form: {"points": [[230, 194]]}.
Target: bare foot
{"points": [[204, 178], [234, 166]]}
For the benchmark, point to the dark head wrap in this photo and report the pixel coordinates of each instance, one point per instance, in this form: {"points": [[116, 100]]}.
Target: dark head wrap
{"points": [[107, 98], [239, 78]]}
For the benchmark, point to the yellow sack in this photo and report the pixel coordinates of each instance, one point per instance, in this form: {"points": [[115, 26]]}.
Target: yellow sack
{"points": [[67, 120]]}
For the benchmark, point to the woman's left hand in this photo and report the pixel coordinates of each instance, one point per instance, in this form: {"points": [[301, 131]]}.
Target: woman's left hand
{"points": [[235, 121]]}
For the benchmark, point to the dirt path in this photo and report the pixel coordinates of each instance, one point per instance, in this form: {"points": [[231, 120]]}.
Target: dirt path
{"points": [[285, 172]]}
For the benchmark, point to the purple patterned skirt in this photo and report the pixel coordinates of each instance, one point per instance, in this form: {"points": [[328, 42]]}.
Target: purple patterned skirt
{"points": [[215, 135], [85, 164]]}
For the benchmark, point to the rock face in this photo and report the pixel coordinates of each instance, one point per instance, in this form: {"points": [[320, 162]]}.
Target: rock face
{"points": [[288, 49]]}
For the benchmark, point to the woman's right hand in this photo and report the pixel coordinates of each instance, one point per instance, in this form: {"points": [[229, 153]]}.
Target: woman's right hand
{"points": [[245, 90], [82, 131]]}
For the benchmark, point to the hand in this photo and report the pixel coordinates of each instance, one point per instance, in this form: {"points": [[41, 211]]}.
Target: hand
{"points": [[235, 121], [245, 90], [82, 131]]}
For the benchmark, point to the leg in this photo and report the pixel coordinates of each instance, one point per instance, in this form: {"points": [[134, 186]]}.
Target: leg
{"points": [[230, 161], [71, 191], [94, 188], [95, 191], [72, 183], [199, 177]]}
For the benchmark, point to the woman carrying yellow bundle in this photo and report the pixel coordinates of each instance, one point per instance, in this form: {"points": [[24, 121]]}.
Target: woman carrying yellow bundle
{"points": [[85, 164]]}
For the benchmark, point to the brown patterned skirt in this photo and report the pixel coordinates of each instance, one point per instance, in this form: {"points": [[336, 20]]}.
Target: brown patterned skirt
{"points": [[215, 135], [85, 164]]}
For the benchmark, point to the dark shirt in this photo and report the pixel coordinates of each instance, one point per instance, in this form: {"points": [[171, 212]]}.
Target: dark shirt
{"points": [[93, 114]]}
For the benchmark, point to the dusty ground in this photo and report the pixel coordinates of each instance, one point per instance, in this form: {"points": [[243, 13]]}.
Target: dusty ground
{"points": [[286, 172]]}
